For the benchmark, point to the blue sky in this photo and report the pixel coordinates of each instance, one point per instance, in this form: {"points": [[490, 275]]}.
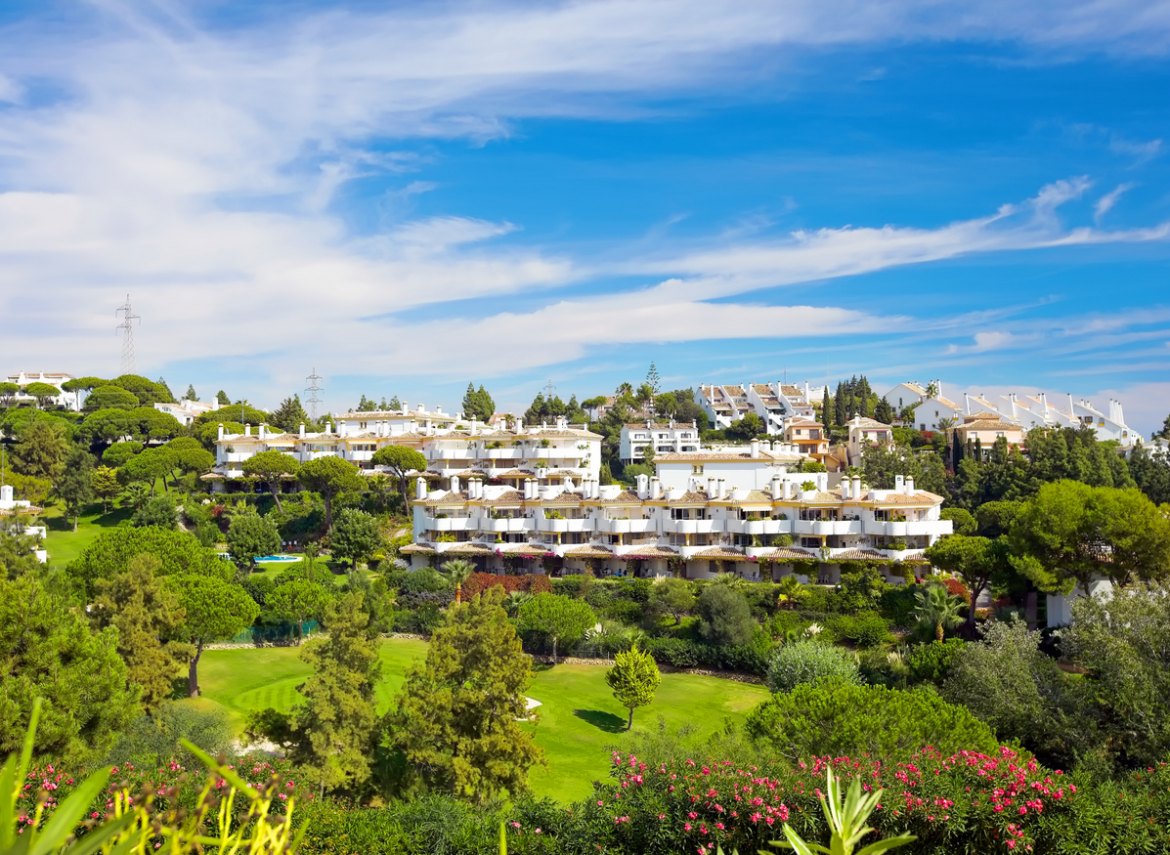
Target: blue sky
{"points": [[411, 196]]}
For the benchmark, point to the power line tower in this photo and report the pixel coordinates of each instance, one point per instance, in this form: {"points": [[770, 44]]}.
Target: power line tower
{"points": [[549, 390], [314, 389], [126, 327]]}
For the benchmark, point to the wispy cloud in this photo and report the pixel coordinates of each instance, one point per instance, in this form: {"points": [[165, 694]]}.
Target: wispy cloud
{"points": [[1105, 204], [199, 165]]}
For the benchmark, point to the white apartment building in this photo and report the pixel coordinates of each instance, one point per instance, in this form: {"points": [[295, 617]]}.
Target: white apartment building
{"points": [[663, 438], [68, 400], [935, 412], [680, 522], [557, 453], [775, 403], [396, 422]]}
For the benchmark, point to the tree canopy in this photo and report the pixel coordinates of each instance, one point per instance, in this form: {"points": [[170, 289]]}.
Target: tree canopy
{"points": [[457, 719], [477, 403], [271, 467], [330, 476], [556, 618], [634, 678], [213, 609]]}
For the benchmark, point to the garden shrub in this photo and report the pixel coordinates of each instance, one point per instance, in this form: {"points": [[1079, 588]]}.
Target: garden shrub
{"points": [[809, 661], [867, 629], [931, 663], [153, 740], [840, 718], [724, 616], [966, 803], [897, 605], [532, 583], [882, 668], [860, 590], [1007, 682], [575, 585], [786, 625], [818, 599], [677, 652]]}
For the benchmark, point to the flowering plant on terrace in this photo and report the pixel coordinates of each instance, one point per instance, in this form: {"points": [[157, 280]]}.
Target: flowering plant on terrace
{"points": [[968, 802]]}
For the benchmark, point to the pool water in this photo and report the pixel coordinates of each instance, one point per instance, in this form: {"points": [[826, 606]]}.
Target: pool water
{"points": [[277, 559]]}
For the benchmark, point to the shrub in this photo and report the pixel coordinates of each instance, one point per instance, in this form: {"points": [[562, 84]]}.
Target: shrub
{"points": [[868, 629], [530, 583], [897, 605], [966, 803], [843, 718], [931, 663], [724, 616], [677, 652], [1007, 682], [809, 661], [860, 589], [153, 740], [882, 668], [575, 585]]}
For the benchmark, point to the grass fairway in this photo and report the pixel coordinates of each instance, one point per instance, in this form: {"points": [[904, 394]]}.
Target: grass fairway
{"points": [[64, 544], [578, 723]]}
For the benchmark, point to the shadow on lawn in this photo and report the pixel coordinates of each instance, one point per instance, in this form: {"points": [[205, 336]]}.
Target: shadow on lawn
{"points": [[606, 721], [108, 520]]}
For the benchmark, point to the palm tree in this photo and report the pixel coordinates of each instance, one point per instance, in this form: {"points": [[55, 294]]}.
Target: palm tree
{"points": [[937, 608], [515, 601], [458, 571]]}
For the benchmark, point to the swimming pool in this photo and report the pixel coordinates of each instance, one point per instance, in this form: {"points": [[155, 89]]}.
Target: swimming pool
{"points": [[277, 559]]}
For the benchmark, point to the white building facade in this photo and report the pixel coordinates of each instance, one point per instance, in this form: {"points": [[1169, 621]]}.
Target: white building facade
{"points": [[663, 438], [66, 400], [744, 516]]}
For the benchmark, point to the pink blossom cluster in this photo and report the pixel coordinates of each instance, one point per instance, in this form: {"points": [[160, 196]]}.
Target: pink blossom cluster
{"points": [[999, 796]]}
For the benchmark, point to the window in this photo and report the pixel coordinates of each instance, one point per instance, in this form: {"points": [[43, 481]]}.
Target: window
{"points": [[697, 469]]}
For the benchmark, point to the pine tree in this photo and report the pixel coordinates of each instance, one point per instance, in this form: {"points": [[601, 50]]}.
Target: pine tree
{"points": [[75, 483], [840, 406], [147, 617], [191, 394], [290, 415], [634, 679], [827, 412], [457, 718], [338, 724]]}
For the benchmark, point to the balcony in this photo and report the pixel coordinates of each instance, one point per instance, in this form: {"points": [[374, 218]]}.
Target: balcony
{"points": [[503, 454], [562, 526], [452, 524], [508, 526], [692, 526], [625, 526], [826, 528], [448, 454], [758, 527]]}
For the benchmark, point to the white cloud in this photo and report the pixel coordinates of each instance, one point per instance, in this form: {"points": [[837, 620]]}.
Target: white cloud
{"points": [[198, 169], [983, 342], [1105, 204]]}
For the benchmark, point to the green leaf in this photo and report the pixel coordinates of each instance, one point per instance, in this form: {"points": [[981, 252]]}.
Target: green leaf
{"points": [[503, 840], [224, 772], [8, 781], [102, 835], [886, 845], [63, 822]]}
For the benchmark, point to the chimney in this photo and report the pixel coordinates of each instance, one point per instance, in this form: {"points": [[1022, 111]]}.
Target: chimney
{"points": [[909, 485], [845, 488], [454, 483], [474, 425], [219, 433], [857, 487], [777, 487], [755, 447], [899, 483], [710, 486], [247, 430], [722, 494], [788, 485], [262, 431], [420, 488], [655, 488], [643, 482]]}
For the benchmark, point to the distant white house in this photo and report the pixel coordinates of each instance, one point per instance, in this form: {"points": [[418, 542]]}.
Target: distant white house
{"points": [[662, 437], [866, 433], [68, 400], [934, 411], [775, 403], [185, 411], [13, 507]]}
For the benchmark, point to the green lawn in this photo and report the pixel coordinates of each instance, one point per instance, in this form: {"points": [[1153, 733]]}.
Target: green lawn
{"points": [[65, 544], [577, 725]]}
